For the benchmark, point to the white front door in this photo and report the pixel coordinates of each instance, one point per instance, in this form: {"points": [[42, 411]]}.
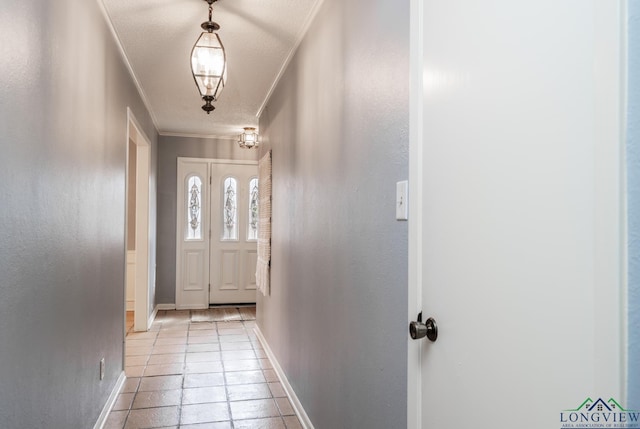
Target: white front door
{"points": [[216, 232], [192, 234], [516, 233], [234, 202]]}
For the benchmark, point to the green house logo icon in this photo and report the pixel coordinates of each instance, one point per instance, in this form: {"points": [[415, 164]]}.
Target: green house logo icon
{"points": [[589, 405], [593, 413]]}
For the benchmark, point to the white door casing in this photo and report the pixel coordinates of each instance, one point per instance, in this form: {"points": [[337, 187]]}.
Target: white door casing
{"points": [[516, 206], [144, 267], [210, 268]]}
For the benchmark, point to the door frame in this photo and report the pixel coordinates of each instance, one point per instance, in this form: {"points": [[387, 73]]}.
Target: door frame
{"points": [[611, 334], [179, 201], [143, 268], [414, 371]]}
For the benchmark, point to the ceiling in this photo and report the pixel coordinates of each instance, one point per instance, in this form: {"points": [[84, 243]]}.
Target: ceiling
{"points": [[157, 37]]}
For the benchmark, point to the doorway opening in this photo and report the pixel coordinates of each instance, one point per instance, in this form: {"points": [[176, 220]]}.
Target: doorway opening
{"points": [[137, 227]]}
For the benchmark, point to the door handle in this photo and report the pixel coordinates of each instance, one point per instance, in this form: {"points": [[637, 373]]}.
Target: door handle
{"points": [[419, 330]]}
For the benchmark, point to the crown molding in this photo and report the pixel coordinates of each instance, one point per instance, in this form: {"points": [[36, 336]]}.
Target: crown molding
{"points": [[127, 63], [198, 136], [303, 32]]}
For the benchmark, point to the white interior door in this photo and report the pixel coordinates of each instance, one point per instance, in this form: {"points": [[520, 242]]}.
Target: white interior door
{"points": [[516, 238], [234, 199]]}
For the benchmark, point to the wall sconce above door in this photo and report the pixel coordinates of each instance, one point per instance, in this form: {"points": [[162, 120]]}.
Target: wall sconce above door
{"points": [[249, 138]]}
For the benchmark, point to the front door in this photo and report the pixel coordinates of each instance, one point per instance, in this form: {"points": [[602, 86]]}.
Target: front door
{"points": [[234, 234], [516, 243], [216, 232]]}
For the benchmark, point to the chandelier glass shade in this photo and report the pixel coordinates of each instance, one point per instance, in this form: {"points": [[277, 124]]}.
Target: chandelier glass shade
{"points": [[209, 63]]}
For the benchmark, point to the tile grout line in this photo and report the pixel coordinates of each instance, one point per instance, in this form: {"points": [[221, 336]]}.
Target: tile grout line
{"points": [[224, 377]]}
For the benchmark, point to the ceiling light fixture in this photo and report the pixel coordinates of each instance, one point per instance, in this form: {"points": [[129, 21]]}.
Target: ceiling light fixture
{"points": [[249, 138], [209, 62]]}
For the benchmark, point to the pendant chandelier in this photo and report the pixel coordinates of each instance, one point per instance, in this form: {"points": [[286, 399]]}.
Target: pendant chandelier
{"points": [[249, 138], [209, 62]]}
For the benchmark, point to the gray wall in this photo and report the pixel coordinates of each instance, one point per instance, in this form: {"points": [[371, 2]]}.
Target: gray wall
{"points": [[169, 149], [338, 126], [64, 91], [633, 177]]}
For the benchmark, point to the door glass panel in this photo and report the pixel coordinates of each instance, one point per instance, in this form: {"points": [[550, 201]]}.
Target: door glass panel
{"points": [[194, 208], [252, 227], [229, 209]]}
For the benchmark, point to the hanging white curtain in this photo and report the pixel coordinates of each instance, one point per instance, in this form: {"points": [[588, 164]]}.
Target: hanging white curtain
{"points": [[264, 224]]}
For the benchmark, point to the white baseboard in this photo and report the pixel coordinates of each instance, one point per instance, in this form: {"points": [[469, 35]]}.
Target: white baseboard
{"points": [[104, 415], [152, 317], [165, 307], [131, 305], [293, 398], [159, 307]]}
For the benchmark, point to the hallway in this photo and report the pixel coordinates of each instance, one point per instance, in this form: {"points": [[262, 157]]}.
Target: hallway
{"points": [[207, 375], [477, 163]]}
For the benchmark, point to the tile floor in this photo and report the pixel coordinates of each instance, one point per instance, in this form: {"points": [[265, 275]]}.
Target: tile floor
{"points": [[205, 375]]}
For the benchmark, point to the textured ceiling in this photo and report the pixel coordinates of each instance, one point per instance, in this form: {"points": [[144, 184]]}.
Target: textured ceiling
{"points": [[157, 37]]}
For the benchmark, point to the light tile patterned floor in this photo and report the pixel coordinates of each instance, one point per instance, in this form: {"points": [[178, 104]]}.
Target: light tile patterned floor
{"points": [[204, 375]]}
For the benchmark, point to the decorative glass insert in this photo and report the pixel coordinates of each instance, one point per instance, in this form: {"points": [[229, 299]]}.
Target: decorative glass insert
{"points": [[229, 209], [252, 229], [194, 208]]}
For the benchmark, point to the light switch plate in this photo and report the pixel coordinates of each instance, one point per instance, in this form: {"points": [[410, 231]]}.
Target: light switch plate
{"points": [[402, 200]]}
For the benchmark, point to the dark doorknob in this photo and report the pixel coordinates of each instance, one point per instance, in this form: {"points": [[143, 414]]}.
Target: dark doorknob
{"points": [[419, 330]]}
